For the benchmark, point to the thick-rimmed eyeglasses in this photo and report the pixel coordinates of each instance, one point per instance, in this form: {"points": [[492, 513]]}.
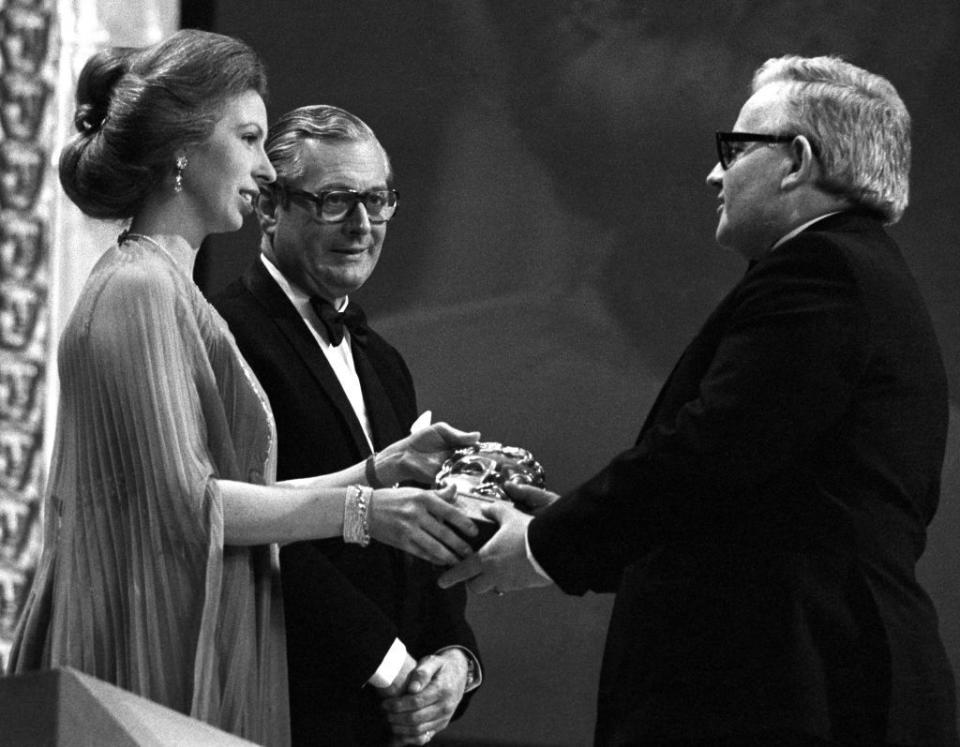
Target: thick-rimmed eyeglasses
{"points": [[336, 205], [731, 145]]}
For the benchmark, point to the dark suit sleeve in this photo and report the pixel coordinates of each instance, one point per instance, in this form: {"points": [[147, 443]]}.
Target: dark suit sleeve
{"points": [[446, 625], [442, 620], [781, 371], [440, 613], [350, 633]]}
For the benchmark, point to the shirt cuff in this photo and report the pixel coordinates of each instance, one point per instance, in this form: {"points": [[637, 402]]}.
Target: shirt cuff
{"points": [[390, 666], [474, 672], [533, 561]]}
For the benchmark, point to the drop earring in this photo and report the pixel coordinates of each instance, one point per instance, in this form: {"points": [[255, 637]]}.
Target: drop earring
{"points": [[178, 179]]}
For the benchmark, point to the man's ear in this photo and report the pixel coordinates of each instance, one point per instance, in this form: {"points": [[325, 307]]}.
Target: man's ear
{"points": [[803, 168], [267, 206]]}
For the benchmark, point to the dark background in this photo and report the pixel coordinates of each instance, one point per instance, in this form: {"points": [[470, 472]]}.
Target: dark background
{"points": [[553, 251]]}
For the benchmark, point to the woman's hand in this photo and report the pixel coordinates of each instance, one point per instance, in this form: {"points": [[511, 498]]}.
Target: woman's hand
{"points": [[420, 455], [421, 522]]}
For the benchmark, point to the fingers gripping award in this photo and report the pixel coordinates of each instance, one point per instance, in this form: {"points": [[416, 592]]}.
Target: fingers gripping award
{"points": [[480, 474]]}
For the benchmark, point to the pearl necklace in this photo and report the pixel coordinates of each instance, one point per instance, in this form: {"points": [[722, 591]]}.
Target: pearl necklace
{"points": [[140, 237]]}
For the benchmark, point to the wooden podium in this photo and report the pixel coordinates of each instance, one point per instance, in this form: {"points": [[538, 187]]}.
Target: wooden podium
{"points": [[66, 707]]}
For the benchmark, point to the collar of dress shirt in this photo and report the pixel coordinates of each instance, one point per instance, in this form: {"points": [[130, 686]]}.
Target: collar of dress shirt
{"points": [[802, 227], [340, 356], [298, 297]]}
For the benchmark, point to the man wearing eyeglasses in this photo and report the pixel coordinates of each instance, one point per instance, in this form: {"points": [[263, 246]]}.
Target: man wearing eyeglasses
{"points": [[377, 652], [763, 532]]}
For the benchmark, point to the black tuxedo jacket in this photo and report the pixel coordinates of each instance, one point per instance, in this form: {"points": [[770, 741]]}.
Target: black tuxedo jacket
{"points": [[344, 604], [762, 533]]}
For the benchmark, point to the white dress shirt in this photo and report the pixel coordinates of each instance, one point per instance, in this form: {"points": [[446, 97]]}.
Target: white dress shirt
{"points": [[340, 356]]}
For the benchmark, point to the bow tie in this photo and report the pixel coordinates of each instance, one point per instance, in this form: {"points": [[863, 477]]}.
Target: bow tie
{"points": [[334, 321]]}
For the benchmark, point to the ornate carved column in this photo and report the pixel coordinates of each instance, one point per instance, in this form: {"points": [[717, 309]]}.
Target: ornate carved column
{"points": [[29, 55], [47, 246]]}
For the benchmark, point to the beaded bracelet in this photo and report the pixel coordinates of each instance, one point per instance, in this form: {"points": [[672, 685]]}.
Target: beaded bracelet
{"points": [[356, 517]]}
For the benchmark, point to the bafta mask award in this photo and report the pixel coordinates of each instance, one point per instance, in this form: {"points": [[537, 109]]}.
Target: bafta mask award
{"points": [[480, 473]]}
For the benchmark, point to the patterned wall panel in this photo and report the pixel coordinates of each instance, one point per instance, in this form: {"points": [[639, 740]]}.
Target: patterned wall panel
{"points": [[27, 75]]}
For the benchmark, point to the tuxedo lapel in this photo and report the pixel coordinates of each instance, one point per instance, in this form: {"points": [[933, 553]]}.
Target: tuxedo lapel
{"points": [[294, 329], [384, 423], [386, 429]]}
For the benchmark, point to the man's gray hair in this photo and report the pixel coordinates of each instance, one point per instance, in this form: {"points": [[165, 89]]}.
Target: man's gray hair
{"points": [[857, 124], [318, 122]]}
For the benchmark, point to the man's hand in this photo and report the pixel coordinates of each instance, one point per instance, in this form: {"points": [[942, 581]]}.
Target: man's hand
{"points": [[501, 565], [529, 498], [433, 692]]}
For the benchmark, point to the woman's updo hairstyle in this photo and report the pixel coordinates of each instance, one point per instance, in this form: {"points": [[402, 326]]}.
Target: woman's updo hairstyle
{"points": [[137, 107]]}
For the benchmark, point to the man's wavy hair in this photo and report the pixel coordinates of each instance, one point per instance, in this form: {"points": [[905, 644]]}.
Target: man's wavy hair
{"points": [[318, 122], [858, 126]]}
